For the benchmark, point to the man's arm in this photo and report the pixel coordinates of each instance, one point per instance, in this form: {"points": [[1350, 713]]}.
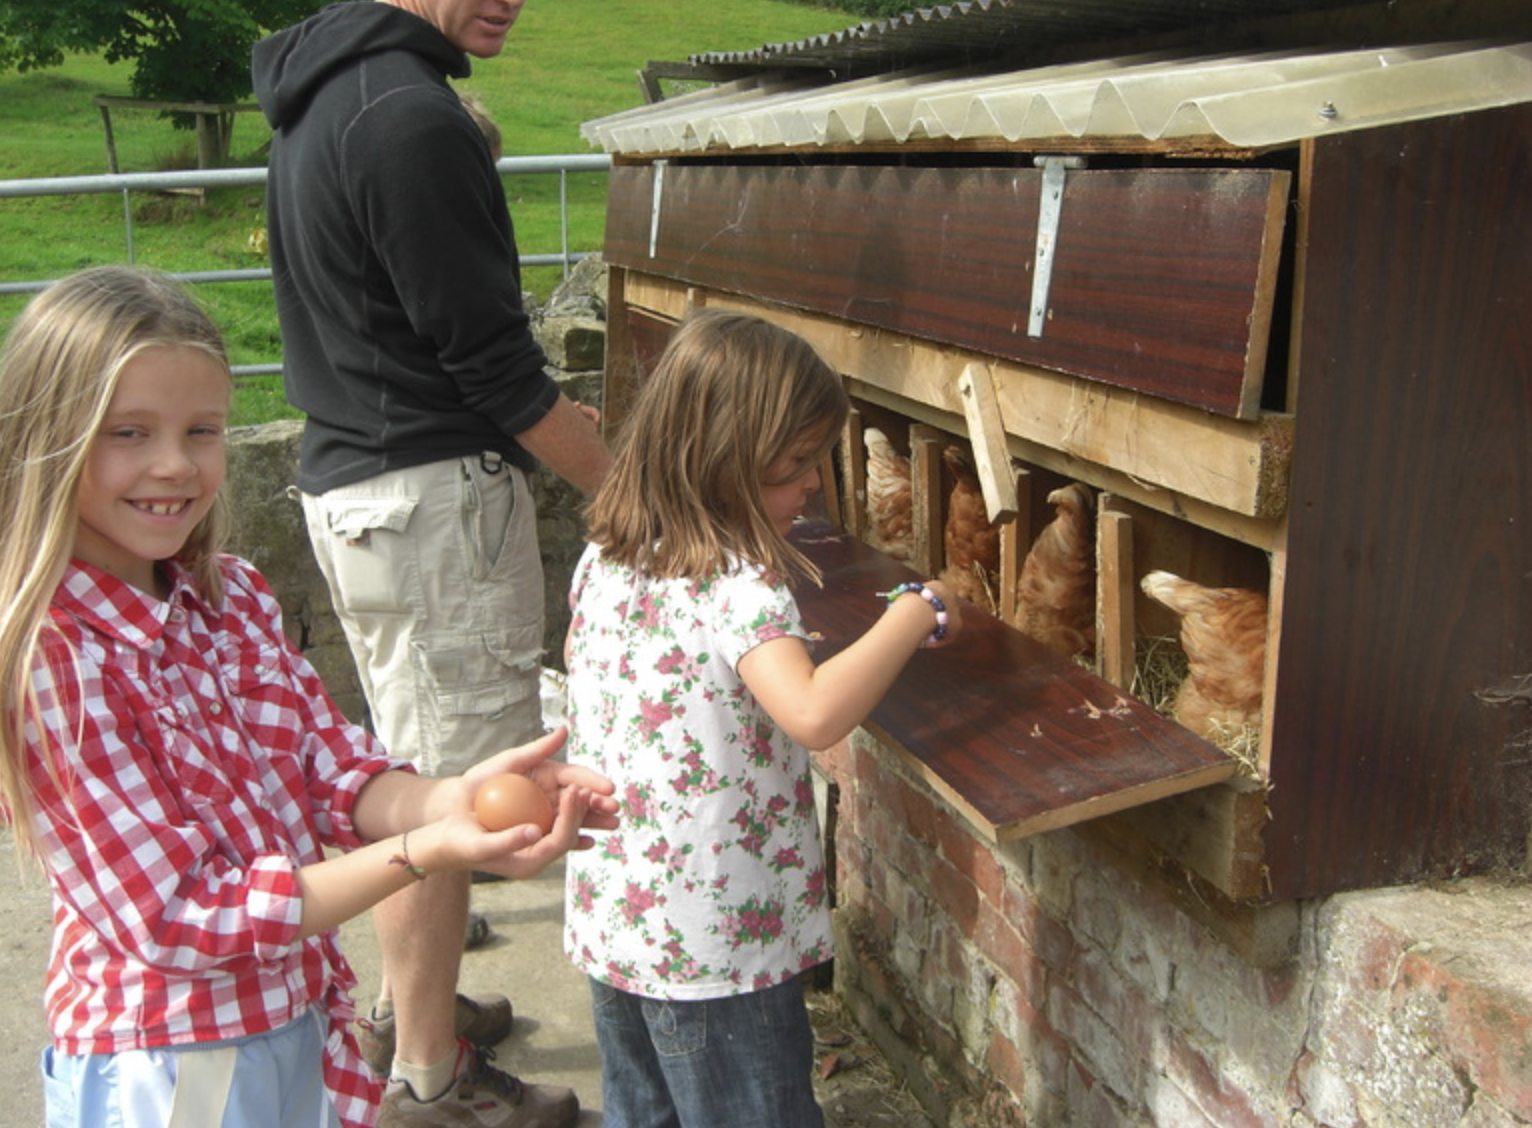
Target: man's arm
{"points": [[568, 442]]}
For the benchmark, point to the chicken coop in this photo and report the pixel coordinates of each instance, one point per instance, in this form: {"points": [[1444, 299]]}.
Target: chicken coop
{"points": [[1238, 335], [1194, 346]]}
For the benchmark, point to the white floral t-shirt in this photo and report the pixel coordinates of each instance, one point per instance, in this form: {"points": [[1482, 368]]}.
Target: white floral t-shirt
{"points": [[714, 884]]}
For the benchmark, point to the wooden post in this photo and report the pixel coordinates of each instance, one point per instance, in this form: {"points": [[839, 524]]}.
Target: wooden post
{"points": [[853, 460], [1015, 541], [1114, 595], [926, 489], [111, 140]]}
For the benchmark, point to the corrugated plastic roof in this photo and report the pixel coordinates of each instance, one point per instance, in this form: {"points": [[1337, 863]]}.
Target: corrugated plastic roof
{"points": [[984, 28], [1243, 101]]}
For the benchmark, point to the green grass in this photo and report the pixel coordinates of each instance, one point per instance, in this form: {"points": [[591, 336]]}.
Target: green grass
{"points": [[566, 62]]}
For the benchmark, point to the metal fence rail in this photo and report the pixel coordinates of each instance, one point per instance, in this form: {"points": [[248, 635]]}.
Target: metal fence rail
{"points": [[129, 182]]}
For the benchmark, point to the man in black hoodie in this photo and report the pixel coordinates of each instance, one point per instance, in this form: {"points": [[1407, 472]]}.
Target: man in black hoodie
{"points": [[428, 401]]}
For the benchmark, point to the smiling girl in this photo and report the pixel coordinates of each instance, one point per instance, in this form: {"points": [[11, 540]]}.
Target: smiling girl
{"points": [[173, 764]]}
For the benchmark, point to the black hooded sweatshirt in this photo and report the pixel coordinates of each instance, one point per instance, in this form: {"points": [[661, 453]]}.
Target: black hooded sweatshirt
{"points": [[395, 262]]}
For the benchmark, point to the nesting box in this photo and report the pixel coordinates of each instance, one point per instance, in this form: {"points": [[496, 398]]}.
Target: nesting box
{"points": [[1281, 335]]}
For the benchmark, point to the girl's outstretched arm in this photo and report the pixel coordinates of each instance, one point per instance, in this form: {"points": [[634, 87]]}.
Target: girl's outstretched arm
{"points": [[817, 705], [418, 826]]}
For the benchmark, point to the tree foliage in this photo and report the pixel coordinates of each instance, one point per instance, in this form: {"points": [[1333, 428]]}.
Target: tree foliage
{"points": [[182, 50]]}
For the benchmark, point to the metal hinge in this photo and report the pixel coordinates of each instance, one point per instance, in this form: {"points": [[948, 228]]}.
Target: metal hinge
{"points": [[1050, 207]]}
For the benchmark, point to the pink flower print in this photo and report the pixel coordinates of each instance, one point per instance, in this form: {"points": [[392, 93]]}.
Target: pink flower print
{"points": [[678, 964], [815, 887], [625, 669], [636, 808], [803, 794], [753, 923], [654, 714], [755, 740], [583, 895], [786, 859], [662, 853], [696, 776], [648, 616], [614, 848], [636, 902], [677, 663]]}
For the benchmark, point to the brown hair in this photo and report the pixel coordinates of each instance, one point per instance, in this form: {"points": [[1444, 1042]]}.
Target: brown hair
{"points": [[731, 398]]}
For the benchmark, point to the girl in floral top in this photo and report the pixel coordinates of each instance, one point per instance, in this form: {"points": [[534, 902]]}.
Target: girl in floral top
{"points": [[692, 686], [174, 765]]}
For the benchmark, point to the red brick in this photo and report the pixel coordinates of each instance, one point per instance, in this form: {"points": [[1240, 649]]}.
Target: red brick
{"points": [[1219, 1101]]}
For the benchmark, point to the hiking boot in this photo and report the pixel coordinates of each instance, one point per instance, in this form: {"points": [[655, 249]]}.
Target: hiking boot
{"points": [[481, 1097], [484, 1021]]}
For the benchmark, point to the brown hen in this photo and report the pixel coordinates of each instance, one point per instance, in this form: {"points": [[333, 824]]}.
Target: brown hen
{"points": [[1223, 632], [971, 543], [890, 503], [1056, 591]]}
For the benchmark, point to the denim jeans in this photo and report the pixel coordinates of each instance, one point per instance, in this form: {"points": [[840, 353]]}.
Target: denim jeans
{"points": [[745, 1061]]}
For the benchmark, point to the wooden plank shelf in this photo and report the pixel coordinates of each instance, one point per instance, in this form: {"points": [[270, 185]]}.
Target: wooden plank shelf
{"points": [[1016, 738]]}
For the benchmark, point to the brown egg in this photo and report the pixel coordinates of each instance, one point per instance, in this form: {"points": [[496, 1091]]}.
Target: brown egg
{"points": [[510, 800]]}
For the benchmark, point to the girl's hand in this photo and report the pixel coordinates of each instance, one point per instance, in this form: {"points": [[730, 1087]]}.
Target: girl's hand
{"points": [[460, 842], [599, 809]]}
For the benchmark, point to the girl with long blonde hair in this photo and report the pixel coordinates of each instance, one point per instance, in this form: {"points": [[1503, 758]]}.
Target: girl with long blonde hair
{"points": [[173, 764]]}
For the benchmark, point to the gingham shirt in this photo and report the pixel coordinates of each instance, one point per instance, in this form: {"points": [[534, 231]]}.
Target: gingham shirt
{"points": [[201, 762]]}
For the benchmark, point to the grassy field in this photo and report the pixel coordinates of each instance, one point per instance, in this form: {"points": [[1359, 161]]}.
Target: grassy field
{"points": [[566, 62]]}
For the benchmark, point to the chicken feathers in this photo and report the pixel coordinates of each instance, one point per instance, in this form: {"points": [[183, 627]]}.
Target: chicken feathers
{"points": [[970, 542], [890, 502], [1223, 633], [1056, 591]]}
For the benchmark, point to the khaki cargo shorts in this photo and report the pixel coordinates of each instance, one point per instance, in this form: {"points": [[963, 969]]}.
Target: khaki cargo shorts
{"points": [[437, 579]]}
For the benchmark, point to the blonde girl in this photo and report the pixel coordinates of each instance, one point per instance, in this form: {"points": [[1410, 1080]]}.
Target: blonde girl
{"points": [[692, 685], [172, 763]]}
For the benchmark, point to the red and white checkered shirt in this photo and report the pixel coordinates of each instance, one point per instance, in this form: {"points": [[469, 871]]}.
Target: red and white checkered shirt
{"points": [[198, 762]]}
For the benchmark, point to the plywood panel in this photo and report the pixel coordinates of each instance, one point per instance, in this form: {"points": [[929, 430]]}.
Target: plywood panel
{"points": [[1018, 739], [1162, 279], [1401, 744]]}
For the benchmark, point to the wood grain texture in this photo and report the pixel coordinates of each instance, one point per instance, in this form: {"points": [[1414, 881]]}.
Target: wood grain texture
{"points": [[1016, 738], [1162, 281], [1401, 742]]}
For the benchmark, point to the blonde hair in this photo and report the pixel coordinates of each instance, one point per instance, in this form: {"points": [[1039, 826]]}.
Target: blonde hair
{"points": [[730, 399], [58, 372]]}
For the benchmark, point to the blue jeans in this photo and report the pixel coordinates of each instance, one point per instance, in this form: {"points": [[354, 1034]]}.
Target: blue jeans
{"points": [[745, 1061]]}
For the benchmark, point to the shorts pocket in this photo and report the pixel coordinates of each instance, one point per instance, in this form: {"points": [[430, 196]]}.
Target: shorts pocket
{"points": [[487, 676], [372, 567]]}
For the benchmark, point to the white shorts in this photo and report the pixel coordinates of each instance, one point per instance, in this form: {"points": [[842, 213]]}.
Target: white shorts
{"points": [[273, 1080], [436, 576]]}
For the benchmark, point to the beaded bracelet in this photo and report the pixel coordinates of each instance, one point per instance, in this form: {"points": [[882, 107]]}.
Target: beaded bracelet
{"points": [[402, 858], [930, 597]]}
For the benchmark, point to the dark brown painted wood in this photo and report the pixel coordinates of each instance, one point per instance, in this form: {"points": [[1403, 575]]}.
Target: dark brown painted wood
{"points": [[1021, 740], [1162, 279], [1402, 725]]}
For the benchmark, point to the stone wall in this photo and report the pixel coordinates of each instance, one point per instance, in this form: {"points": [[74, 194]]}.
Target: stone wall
{"points": [[1043, 983], [268, 522]]}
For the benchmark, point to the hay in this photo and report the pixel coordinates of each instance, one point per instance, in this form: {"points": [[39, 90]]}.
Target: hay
{"points": [[1159, 669]]}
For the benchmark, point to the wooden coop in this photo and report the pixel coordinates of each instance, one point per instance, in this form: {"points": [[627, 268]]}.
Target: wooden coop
{"points": [[1268, 304]]}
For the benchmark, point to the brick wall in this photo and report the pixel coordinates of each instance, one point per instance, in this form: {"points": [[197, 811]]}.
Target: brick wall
{"points": [[1042, 984]]}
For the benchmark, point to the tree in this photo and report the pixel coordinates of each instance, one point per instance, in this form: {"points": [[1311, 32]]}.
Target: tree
{"points": [[183, 50]]}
